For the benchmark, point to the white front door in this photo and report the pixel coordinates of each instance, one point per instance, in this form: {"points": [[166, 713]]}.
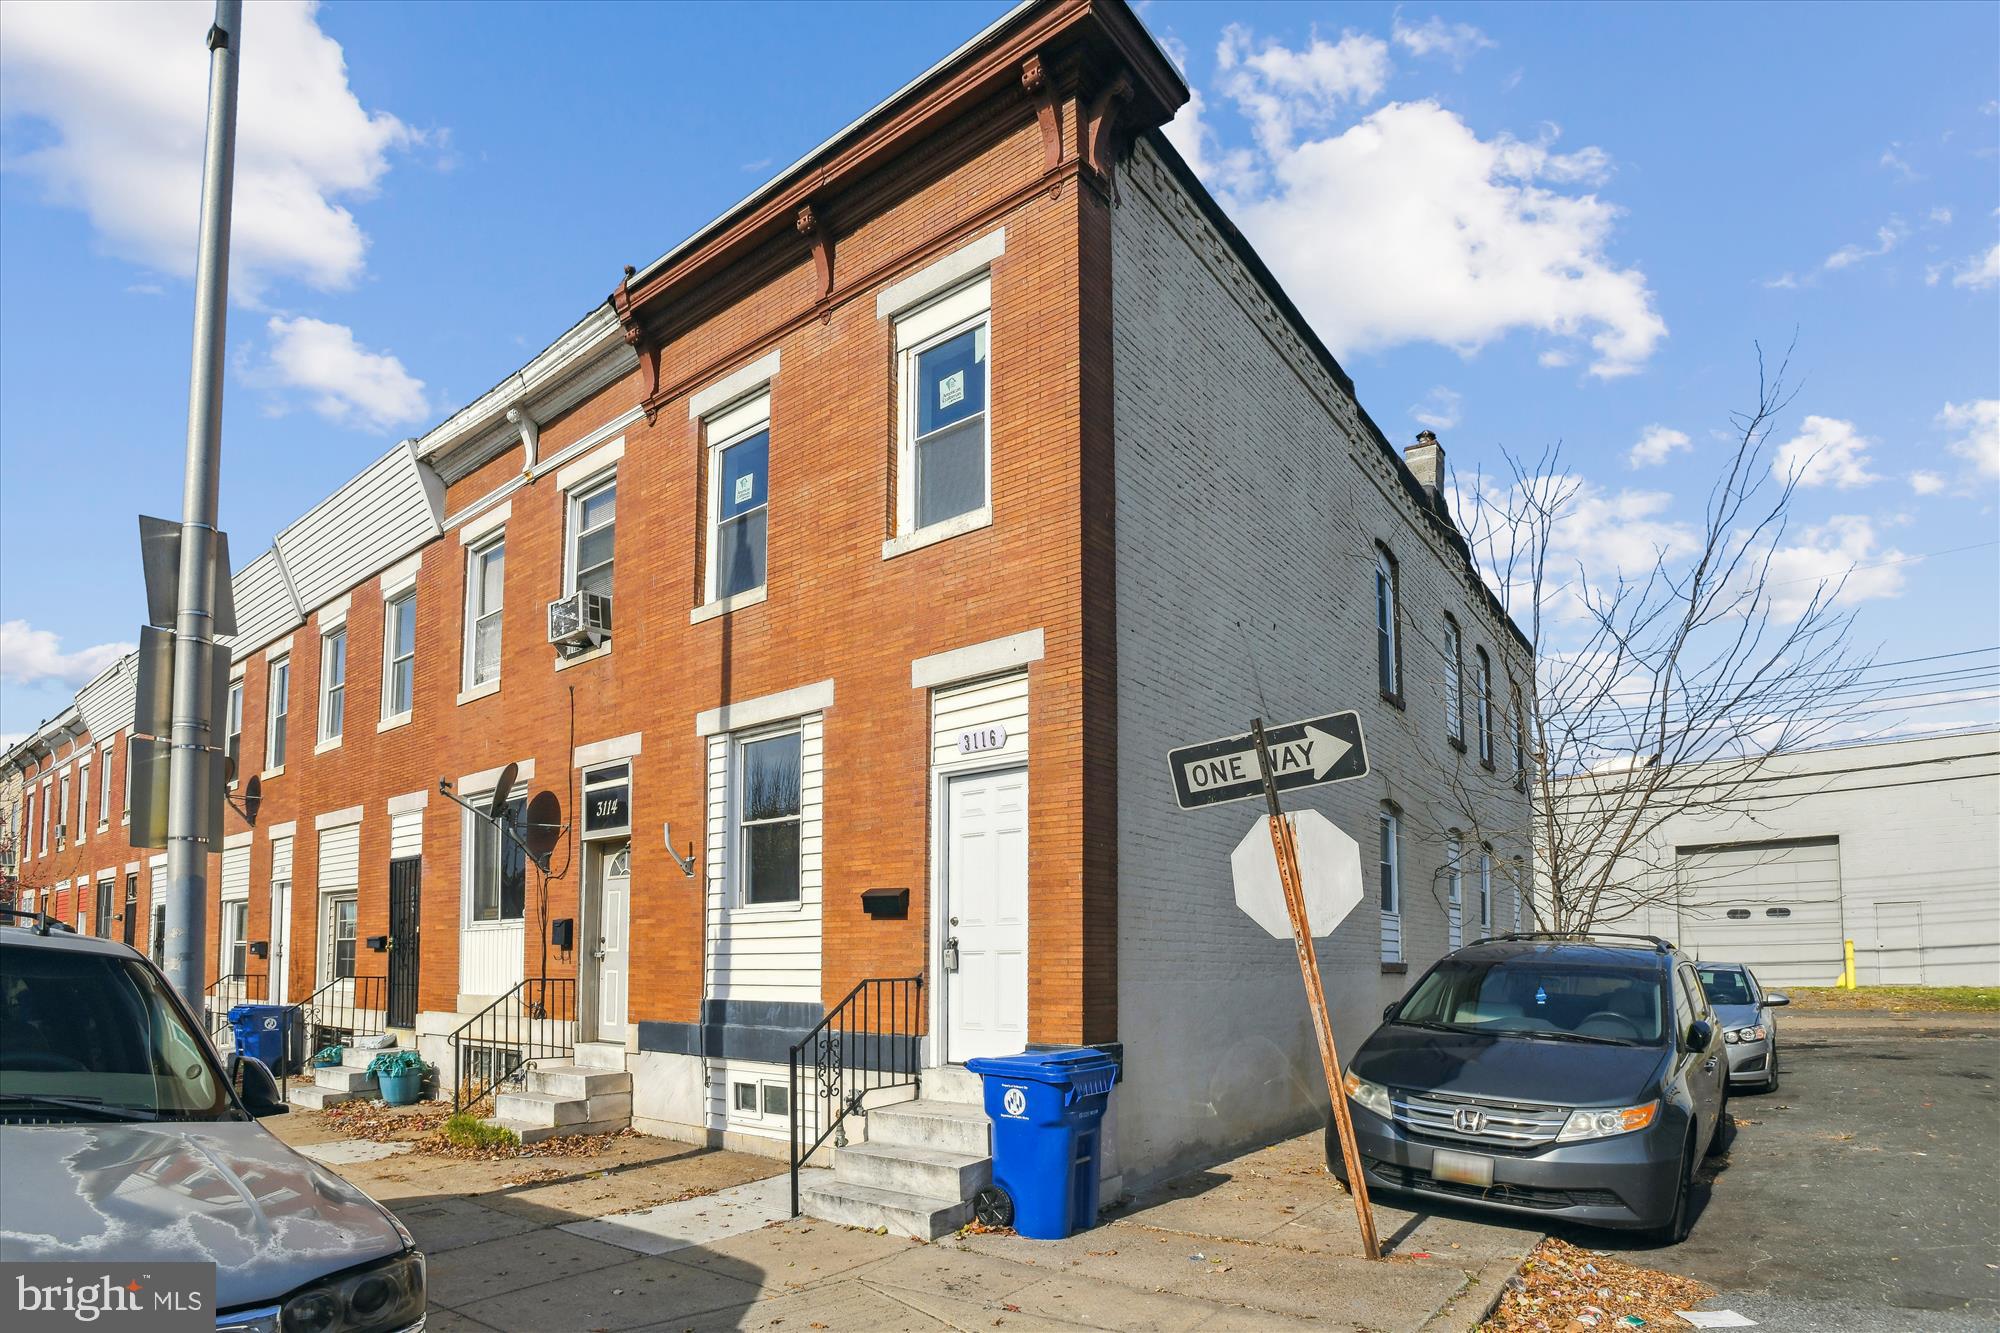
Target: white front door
{"points": [[612, 953], [281, 941], [986, 915]]}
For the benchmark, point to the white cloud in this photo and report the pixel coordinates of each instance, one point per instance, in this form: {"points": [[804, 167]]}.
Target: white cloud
{"points": [[29, 656], [1891, 160], [1980, 271], [1656, 445], [1407, 226], [122, 90], [1440, 409], [1555, 358], [1940, 216], [1456, 42], [1833, 555], [1926, 483], [1979, 443], [1784, 282], [1826, 452], [1887, 237], [345, 381]]}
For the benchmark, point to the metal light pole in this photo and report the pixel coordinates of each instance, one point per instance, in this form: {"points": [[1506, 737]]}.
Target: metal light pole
{"points": [[190, 764]]}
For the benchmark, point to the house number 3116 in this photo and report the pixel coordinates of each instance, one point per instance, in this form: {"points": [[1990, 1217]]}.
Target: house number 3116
{"points": [[981, 739]]}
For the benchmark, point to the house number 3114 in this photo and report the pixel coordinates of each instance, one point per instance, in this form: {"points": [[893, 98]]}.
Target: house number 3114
{"points": [[981, 739]]}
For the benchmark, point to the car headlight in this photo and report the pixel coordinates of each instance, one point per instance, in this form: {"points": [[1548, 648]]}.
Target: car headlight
{"points": [[1756, 1033], [1371, 1095], [1602, 1123], [377, 1299]]}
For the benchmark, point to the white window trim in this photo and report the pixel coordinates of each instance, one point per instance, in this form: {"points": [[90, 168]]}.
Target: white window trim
{"points": [[468, 862], [735, 1115], [583, 470], [573, 498], [723, 429], [1454, 681], [401, 577], [234, 702], [785, 705], [734, 862], [328, 741], [1385, 576], [105, 756], [472, 689], [941, 275], [389, 605], [1485, 889], [272, 714], [1389, 832], [1482, 699], [83, 790], [327, 901], [962, 309]]}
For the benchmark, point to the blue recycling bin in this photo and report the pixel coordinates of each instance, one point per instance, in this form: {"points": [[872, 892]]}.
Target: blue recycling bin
{"points": [[1047, 1109], [267, 1032]]}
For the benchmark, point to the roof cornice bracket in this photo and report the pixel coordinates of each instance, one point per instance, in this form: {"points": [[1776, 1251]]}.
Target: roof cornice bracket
{"points": [[531, 435], [1100, 125], [635, 337], [1035, 80], [820, 237]]}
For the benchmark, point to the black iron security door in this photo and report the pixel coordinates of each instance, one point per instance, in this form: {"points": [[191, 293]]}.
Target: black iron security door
{"points": [[405, 902]]}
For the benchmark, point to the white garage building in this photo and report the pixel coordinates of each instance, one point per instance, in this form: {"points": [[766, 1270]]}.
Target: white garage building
{"points": [[1894, 845]]}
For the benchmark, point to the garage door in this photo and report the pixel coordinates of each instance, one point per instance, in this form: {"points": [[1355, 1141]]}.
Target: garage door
{"points": [[1774, 906]]}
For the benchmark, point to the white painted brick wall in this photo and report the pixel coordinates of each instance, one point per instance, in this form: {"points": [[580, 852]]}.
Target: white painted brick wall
{"points": [[1249, 502]]}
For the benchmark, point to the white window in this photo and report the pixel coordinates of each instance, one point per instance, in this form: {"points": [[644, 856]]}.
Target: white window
{"points": [[341, 915], [497, 867], [46, 805], [1486, 889], [104, 792], [739, 497], [62, 811], [944, 438], [485, 583], [766, 815], [235, 938], [280, 706], [1388, 664], [593, 533], [232, 732], [1454, 894], [757, 1099], [1454, 696], [332, 684], [156, 939], [27, 824], [1389, 869], [399, 655], [1520, 737], [1482, 686], [83, 790]]}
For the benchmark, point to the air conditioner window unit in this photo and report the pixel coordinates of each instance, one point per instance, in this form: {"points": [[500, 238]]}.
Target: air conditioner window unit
{"points": [[582, 619]]}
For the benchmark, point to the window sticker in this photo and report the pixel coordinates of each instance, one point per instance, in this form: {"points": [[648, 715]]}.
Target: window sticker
{"points": [[1541, 995], [951, 389], [744, 485]]}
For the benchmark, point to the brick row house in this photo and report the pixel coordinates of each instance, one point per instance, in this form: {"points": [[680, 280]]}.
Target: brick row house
{"points": [[902, 519]]}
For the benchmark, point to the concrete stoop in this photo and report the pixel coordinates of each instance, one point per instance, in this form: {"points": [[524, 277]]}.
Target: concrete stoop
{"points": [[565, 1099], [915, 1175], [348, 1081]]}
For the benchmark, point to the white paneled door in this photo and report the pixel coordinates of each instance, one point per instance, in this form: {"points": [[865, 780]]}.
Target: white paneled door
{"points": [[281, 941], [611, 954], [986, 915]]}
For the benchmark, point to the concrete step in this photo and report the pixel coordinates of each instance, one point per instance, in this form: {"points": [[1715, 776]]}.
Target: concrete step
{"points": [[343, 1078], [313, 1097], [543, 1108], [929, 1172], [870, 1206], [946, 1126], [577, 1080], [954, 1083], [350, 1058], [601, 1054], [532, 1133]]}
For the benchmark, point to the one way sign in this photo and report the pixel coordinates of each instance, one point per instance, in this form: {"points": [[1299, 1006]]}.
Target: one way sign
{"points": [[1311, 753]]}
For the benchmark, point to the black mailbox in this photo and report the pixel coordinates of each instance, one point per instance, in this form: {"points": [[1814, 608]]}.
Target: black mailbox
{"points": [[562, 932], [260, 948], [378, 943], [886, 904]]}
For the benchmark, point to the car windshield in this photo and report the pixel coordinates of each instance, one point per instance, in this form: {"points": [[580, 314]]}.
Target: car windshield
{"points": [[88, 1036], [1535, 995], [1726, 985]]}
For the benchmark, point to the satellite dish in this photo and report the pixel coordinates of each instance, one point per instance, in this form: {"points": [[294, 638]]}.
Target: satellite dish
{"points": [[228, 768], [544, 825], [253, 796], [503, 791]]}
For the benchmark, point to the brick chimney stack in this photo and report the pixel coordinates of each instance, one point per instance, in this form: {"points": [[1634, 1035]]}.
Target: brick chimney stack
{"points": [[1426, 460]]}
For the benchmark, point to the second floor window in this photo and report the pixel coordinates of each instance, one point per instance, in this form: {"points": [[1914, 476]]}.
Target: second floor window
{"points": [[1388, 667], [944, 460], [1482, 702], [739, 471], [332, 684], [281, 689], [399, 654], [104, 793], [593, 532], [1390, 865], [1520, 735], [62, 812], [83, 790], [232, 732], [485, 581], [1454, 694], [1486, 889]]}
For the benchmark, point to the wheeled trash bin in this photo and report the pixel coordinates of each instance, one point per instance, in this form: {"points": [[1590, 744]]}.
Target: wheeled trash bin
{"points": [[1047, 1109], [269, 1032]]}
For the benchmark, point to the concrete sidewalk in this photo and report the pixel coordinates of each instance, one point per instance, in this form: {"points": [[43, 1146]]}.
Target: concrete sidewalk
{"points": [[1264, 1241]]}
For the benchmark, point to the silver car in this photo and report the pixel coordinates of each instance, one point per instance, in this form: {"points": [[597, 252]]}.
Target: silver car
{"points": [[124, 1139], [1749, 1028]]}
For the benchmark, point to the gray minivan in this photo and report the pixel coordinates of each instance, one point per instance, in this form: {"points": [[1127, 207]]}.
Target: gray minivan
{"points": [[124, 1138]]}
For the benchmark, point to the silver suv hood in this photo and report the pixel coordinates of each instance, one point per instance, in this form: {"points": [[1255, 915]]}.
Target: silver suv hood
{"points": [[226, 1191]]}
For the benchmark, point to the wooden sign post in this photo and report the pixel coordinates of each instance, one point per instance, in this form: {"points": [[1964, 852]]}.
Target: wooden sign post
{"points": [[1295, 905]]}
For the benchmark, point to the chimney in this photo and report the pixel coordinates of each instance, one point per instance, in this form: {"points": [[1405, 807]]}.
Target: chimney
{"points": [[1426, 460]]}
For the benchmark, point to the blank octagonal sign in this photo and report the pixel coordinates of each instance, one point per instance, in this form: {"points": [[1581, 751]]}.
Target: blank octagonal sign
{"points": [[1329, 871]]}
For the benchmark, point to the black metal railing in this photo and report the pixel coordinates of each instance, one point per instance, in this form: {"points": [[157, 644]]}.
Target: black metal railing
{"points": [[866, 1043], [343, 1009], [534, 1021], [226, 992]]}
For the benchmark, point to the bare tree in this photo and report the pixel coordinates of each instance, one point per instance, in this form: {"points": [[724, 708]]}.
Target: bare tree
{"points": [[1660, 690]]}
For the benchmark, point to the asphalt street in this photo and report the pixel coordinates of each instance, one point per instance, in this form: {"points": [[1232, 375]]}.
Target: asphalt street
{"points": [[1861, 1195]]}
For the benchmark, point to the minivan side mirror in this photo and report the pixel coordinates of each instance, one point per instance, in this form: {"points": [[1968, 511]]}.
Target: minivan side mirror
{"points": [[255, 1086], [1389, 1010], [1700, 1033], [1777, 999]]}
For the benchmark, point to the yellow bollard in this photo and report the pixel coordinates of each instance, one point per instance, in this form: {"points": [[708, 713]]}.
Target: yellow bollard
{"points": [[1847, 966]]}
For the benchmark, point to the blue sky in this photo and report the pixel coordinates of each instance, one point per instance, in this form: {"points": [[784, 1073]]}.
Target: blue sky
{"points": [[1516, 224]]}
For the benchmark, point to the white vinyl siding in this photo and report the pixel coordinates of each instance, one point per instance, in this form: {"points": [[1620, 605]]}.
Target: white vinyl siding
{"points": [[236, 872], [1001, 701], [281, 859], [339, 876], [406, 835], [766, 952]]}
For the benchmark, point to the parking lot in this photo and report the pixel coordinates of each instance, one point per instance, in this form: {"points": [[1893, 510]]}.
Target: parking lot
{"points": [[1860, 1195]]}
